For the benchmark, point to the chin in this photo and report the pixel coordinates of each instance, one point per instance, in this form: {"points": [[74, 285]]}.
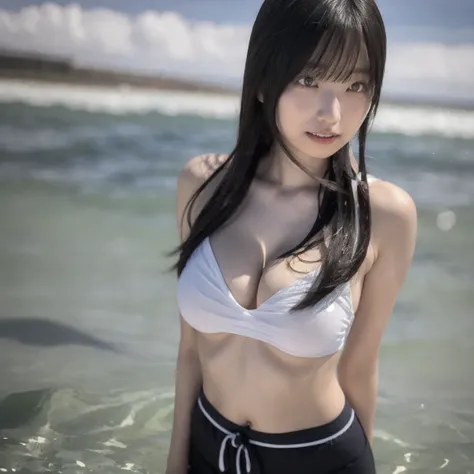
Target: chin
{"points": [[321, 151], [320, 154]]}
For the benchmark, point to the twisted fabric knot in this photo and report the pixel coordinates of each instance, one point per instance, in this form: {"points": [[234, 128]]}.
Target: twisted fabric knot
{"points": [[239, 441]]}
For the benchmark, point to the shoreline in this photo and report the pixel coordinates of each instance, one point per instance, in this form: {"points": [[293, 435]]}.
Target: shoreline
{"points": [[23, 66], [110, 80], [58, 70], [106, 79]]}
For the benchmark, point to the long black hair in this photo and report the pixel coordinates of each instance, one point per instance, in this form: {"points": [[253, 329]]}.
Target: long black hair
{"points": [[288, 35]]}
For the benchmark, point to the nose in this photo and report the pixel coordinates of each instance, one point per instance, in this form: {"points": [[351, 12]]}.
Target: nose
{"points": [[328, 108]]}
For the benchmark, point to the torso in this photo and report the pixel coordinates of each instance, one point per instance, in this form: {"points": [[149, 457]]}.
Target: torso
{"points": [[247, 380]]}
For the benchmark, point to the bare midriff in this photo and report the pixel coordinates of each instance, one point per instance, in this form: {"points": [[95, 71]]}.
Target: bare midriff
{"points": [[252, 383]]}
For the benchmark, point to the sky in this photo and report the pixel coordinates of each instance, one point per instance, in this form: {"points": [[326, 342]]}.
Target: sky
{"points": [[430, 49]]}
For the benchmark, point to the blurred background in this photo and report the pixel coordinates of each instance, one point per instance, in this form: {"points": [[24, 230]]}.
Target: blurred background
{"points": [[101, 103]]}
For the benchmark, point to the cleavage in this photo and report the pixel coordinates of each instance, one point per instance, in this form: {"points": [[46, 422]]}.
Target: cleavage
{"points": [[274, 277], [234, 272]]}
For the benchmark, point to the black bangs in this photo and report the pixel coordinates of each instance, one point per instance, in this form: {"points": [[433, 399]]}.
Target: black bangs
{"points": [[330, 41], [337, 55]]}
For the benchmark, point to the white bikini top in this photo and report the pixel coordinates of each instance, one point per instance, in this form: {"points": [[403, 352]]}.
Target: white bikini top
{"points": [[207, 304]]}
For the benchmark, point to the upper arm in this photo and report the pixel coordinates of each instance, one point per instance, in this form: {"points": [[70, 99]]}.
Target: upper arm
{"points": [[193, 174], [394, 235], [189, 181]]}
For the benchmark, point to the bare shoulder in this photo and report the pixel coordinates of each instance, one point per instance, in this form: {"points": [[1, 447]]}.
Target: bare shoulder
{"points": [[199, 168], [196, 172], [394, 217], [192, 176]]}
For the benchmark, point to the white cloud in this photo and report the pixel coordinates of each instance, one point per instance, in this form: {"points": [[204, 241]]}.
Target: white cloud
{"points": [[167, 42], [158, 41]]}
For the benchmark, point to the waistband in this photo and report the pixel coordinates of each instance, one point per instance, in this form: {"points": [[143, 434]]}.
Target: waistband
{"points": [[241, 436]]}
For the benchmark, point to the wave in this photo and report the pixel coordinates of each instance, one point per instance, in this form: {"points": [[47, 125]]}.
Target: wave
{"points": [[123, 100], [391, 118]]}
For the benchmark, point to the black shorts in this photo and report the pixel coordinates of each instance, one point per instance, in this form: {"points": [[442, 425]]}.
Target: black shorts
{"points": [[218, 445]]}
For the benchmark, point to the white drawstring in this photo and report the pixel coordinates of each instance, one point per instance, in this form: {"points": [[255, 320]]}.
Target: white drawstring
{"points": [[248, 466], [240, 442], [222, 451], [233, 439], [240, 447]]}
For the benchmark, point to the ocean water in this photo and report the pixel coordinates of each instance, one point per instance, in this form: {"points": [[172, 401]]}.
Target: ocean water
{"points": [[88, 316]]}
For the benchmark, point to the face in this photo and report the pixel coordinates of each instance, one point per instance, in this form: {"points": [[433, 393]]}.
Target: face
{"points": [[317, 118]]}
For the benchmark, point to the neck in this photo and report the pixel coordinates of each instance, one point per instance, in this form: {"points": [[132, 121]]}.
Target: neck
{"points": [[277, 169]]}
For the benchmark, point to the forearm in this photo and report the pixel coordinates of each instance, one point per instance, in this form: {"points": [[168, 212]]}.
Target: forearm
{"points": [[187, 385], [361, 393]]}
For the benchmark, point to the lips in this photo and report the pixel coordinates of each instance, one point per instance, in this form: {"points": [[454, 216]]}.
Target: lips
{"points": [[323, 134], [324, 138]]}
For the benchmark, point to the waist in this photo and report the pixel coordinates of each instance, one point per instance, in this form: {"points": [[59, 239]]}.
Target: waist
{"points": [[241, 376], [310, 436], [270, 408]]}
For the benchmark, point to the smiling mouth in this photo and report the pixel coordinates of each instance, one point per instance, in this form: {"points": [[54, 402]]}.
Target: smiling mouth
{"points": [[322, 138], [323, 135]]}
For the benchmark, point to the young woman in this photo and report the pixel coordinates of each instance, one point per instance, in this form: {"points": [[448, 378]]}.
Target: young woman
{"points": [[291, 257]]}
